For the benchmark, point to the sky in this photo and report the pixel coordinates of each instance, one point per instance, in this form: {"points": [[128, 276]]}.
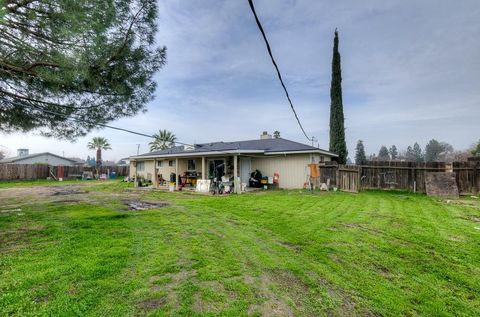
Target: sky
{"points": [[410, 73]]}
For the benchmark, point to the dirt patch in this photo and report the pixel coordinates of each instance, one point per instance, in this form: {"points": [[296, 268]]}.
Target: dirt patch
{"points": [[170, 283], [67, 201], [137, 205], [273, 304], [153, 303], [473, 218], [68, 191], [471, 203], [292, 246], [42, 299], [362, 227], [11, 240]]}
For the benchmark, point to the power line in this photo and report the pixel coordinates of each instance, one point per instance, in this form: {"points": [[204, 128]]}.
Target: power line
{"points": [[76, 119], [276, 67]]}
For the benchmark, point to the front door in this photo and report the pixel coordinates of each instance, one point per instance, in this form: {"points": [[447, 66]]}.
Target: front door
{"points": [[245, 169]]}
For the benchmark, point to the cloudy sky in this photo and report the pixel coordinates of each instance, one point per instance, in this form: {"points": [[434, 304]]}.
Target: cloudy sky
{"points": [[410, 73]]}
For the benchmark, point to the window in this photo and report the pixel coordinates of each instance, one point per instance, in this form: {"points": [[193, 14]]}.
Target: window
{"points": [[140, 166], [191, 165], [216, 168], [171, 163], [322, 158], [160, 163]]}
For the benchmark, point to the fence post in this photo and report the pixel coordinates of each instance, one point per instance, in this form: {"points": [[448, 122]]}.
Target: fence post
{"points": [[359, 178]]}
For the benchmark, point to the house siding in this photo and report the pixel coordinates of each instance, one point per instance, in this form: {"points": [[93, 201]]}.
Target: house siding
{"points": [[292, 168], [147, 172]]}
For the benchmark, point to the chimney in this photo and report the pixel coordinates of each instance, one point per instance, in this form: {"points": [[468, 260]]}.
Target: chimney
{"points": [[265, 136], [22, 152]]}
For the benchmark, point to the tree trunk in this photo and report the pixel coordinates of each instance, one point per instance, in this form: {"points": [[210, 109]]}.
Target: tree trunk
{"points": [[98, 162], [99, 157]]}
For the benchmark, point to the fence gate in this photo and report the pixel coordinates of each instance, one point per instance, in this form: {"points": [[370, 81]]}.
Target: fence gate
{"points": [[348, 178]]}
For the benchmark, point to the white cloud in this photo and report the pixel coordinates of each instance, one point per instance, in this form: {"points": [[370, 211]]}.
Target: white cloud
{"points": [[409, 73]]}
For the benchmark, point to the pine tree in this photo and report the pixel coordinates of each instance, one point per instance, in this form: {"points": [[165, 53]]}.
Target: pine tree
{"points": [[383, 154], [393, 152], [337, 120], [409, 154], [476, 149], [64, 59], [417, 153], [360, 157]]}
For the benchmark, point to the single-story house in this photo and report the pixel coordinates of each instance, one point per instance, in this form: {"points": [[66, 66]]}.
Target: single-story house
{"points": [[23, 157], [287, 159]]}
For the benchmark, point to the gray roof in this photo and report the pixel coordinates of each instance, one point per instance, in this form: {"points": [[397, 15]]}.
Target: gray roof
{"points": [[261, 145], [19, 158]]}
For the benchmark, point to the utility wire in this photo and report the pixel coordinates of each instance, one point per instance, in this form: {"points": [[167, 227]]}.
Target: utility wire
{"points": [[76, 119], [276, 67]]}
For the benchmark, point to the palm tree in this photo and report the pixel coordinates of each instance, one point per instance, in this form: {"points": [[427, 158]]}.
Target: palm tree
{"points": [[163, 140], [99, 144]]}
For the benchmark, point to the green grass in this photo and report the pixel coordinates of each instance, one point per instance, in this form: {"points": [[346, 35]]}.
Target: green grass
{"points": [[38, 182], [51, 182], [280, 253]]}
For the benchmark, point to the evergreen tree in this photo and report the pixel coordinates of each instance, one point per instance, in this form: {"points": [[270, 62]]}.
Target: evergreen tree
{"points": [[433, 150], [476, 150], [337, 120], [393, 152], [417, 153], [383, 154], [409, 154], [360, 157], [90, 60]]}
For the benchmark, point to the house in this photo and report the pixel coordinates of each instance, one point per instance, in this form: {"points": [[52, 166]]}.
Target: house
{"points": [[23, 157], [269, 155]]}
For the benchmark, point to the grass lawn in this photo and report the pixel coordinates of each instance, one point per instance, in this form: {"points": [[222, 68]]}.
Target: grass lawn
{"points": [[279, 253], [40, 182]]}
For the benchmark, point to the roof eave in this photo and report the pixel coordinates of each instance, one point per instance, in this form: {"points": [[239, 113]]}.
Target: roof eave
{"points": [[301, 152]]}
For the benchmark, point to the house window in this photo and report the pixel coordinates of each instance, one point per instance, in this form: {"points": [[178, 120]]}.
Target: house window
{"points": [[191, 165], [140, 166], [171, 163], [322, 158], [216, 168], [160, 163]]}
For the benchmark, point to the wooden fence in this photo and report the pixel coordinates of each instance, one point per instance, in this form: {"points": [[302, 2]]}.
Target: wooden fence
{"points": [[409, 176], [40, 171]]}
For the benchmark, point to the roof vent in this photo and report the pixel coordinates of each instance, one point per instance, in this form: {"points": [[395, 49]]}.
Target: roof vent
{"points": [[265, 136], [22, 152]]}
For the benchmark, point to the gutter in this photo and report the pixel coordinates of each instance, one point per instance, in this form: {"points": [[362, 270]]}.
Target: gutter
{"points": [[193, 154]]}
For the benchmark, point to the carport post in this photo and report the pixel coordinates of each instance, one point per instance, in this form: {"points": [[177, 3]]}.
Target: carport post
{"points": [[176, 173], [155, 174], [135, 184], [204, 176], [235, 174]]}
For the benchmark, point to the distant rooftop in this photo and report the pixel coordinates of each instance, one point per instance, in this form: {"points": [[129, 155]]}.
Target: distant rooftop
{"points": [[23, 157]]}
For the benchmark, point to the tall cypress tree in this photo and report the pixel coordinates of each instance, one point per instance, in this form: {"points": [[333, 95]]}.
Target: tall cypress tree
{"points": [[337, 125]]}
